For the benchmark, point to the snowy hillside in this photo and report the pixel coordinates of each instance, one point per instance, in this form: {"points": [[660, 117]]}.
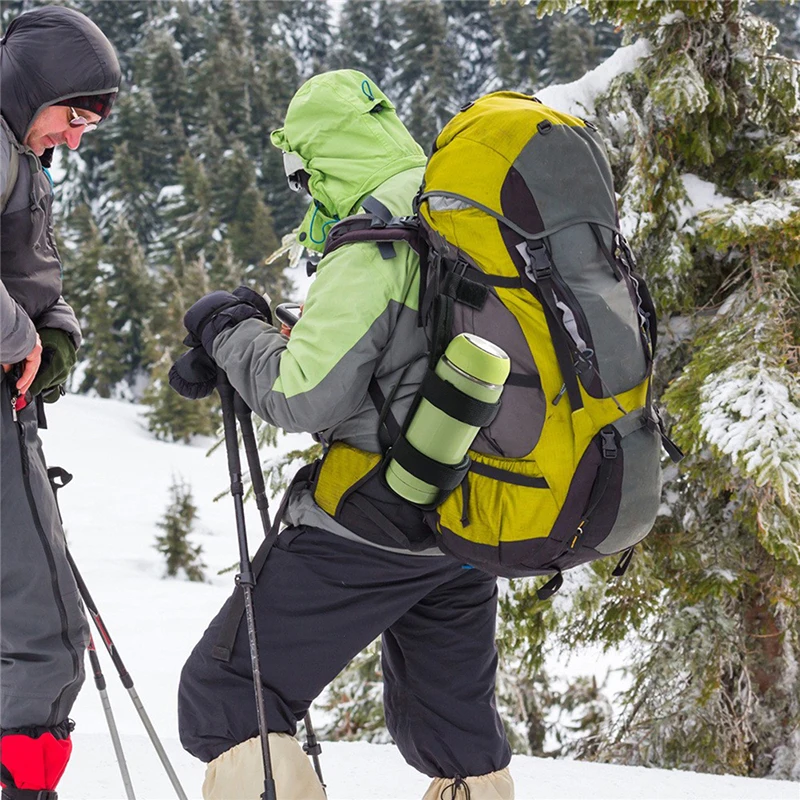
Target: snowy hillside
{"points": [[120, 491]]}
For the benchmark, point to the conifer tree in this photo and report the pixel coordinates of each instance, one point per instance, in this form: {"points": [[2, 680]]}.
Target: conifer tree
{"points": [[177, 525], [572, 51], [427, 69], [355, 701], [129, 297], [102, 348], [304, 26], [368, 34], [707, 162], [170, 416], [81, 253], [472, 36], [246, 218], [519, 40], [188, 214]]}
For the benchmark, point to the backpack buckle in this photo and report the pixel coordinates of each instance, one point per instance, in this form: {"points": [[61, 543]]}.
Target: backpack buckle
{"points": [[583, 361], [540, 267], [608, 444]]}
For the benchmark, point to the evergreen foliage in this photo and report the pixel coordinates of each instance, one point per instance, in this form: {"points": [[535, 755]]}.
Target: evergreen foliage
{"points": [[177, 525], [355, 701], [713, 597]]}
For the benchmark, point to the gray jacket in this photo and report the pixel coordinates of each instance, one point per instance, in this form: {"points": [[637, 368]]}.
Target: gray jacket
{"points": [[42, 62]]}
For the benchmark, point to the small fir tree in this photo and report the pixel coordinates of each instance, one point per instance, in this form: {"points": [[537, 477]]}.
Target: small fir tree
{"points": [[177, 525]]}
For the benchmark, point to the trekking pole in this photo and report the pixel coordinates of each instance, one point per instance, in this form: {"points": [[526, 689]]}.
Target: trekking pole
{"points": [[99, 678], [100, 682], [245, 578], [243, 413], [126, 679]]}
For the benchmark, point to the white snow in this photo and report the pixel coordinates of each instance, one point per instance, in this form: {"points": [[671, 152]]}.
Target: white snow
{"points": [[751, 418], [120, 491], [701, 196], [578, 98]]}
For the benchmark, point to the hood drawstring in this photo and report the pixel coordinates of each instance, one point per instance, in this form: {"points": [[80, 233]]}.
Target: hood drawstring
{"points": [[458, 783], [325, 225], [367, 90]]}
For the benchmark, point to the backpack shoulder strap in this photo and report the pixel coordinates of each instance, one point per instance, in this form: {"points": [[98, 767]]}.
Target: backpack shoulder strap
{"points": [[13, 165], [378, 226]]}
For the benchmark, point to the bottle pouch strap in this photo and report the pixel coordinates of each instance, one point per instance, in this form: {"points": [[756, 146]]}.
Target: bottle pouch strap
{"points": [[442, 476], [455, 403]]}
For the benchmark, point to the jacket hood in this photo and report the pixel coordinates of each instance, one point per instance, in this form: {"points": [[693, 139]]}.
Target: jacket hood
{"points": [[48, 55], [348, 135]]}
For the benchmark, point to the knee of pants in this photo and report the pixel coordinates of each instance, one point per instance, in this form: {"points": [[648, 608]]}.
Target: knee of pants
{"points": [[238, 774]]}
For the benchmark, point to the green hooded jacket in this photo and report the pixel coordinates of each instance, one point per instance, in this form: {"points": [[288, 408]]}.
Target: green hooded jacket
{"points": [[360, 315]]}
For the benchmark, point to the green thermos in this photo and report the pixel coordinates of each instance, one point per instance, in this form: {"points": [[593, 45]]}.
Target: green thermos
{"points": [[477, 368]]}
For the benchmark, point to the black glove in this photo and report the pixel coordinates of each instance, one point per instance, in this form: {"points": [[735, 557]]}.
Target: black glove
{"points": [[217, 311], [58, 359], [194, 374]]}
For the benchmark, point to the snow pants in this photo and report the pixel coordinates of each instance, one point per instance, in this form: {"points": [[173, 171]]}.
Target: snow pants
{"points": [[43, 630], [319, 600]]}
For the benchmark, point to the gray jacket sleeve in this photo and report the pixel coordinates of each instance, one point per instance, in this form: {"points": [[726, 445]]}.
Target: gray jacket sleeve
{"points": [[17, 332], [60, 315]]}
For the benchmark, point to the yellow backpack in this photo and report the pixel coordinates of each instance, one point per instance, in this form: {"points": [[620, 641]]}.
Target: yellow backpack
{"points": [[517, 230]]}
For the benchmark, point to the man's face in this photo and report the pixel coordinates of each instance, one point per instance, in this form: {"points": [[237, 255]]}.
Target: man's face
{"points": [[52, 128]]}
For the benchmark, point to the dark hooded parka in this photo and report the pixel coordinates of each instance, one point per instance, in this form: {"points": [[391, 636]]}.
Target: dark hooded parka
{"points": [[47, 56]]}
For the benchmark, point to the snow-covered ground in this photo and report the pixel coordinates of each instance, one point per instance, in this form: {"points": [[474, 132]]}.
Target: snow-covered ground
{"points": [[120, 491]]}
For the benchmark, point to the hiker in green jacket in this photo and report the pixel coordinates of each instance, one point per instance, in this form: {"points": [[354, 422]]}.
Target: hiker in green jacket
{"points": [[355, 560]]}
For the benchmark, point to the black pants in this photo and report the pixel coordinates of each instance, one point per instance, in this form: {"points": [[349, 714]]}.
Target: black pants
{"points": [[319, 601]]}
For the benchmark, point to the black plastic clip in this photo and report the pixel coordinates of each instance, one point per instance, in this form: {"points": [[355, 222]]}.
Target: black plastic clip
{"points": [[608, 444], [245, 579], [312, 749], [541, 268]]}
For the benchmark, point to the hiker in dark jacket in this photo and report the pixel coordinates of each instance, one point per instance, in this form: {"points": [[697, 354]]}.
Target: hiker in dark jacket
{"points": [[356, 561], [59, 76]]}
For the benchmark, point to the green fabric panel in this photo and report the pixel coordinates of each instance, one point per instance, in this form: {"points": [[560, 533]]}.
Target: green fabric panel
{"points": [[353, 287], [349, 143], [337, 333]]}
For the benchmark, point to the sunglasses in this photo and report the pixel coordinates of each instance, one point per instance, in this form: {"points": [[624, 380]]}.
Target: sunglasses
{"points": [[77, 121]]}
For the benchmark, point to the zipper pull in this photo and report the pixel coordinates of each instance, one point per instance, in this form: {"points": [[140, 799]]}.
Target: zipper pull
{"points": [[577, 535], [14, 396], [560, 394]]}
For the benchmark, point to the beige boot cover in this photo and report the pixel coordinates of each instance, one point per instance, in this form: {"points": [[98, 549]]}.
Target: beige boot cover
{"points": [[238, 774], [494, 786]]}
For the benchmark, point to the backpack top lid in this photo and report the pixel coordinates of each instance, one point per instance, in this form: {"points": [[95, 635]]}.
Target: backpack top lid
{"points": [[508, 166]]}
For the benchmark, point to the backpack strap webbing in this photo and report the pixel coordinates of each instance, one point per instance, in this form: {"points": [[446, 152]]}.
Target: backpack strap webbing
{"points": [[542, 271], [377, 225], [223, 649], [388, 426]]}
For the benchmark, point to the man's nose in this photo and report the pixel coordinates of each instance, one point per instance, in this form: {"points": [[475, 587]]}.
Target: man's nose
{"points": [[72, 136]]}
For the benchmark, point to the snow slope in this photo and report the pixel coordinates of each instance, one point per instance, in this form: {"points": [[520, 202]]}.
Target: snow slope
{"points": [[120, 491]]}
